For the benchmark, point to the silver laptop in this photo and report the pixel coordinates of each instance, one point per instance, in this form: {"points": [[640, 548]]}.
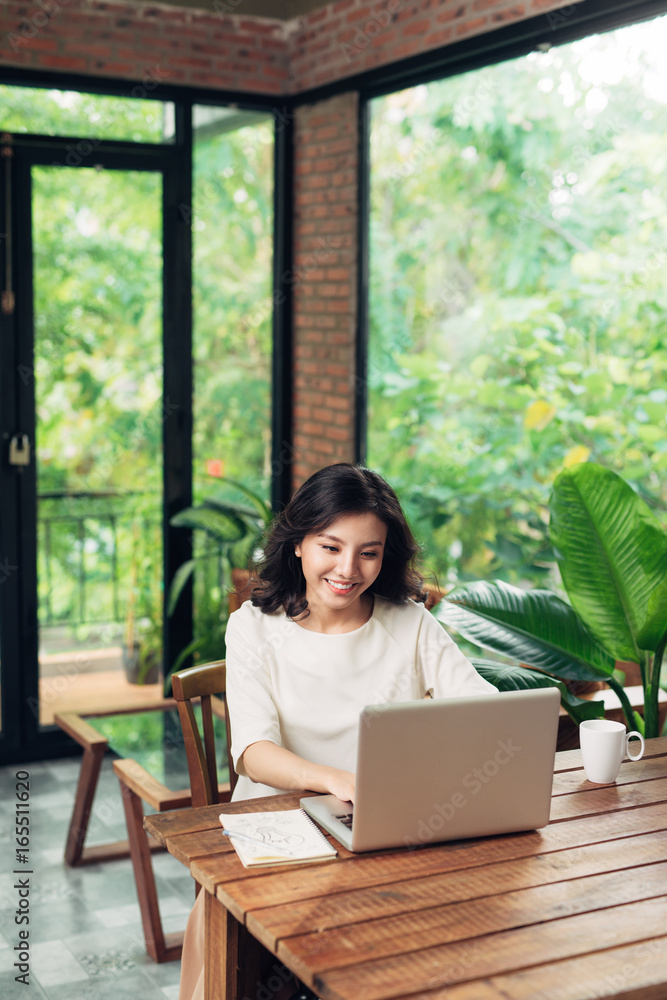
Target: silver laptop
{"points": [[436, 770]]}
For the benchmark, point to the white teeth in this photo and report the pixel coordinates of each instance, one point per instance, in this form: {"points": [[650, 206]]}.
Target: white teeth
{"points": [[340, 586]]}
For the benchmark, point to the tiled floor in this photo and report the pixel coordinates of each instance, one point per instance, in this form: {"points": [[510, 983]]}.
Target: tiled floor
{"points": [[86, 941]]}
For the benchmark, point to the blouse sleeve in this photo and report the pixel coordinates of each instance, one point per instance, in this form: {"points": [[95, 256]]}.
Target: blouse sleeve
{"points": [[252, 709], [444, 671]]}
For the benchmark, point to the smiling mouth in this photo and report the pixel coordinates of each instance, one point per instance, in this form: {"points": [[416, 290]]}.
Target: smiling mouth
{"points": [[340, 588]]}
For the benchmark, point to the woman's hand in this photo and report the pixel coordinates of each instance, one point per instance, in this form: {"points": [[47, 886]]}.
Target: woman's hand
{"points": [[341, 784], [273, 765]]}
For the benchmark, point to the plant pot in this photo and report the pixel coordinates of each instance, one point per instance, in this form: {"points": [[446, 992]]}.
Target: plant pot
{"points": [[138, 672]]}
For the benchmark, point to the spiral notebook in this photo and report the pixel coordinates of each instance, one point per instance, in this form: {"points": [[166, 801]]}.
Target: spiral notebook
{"points": [[285, 837]]}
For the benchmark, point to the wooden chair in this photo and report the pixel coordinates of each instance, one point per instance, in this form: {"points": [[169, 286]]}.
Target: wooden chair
{"points": [[139, 787], [203, 682]]}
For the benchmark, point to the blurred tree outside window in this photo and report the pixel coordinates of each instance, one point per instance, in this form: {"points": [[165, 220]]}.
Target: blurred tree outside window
{"points": [[38, 111], [518, 247]]}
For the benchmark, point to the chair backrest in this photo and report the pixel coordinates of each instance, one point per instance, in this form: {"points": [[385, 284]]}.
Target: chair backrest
{"points": [[202, 682]]}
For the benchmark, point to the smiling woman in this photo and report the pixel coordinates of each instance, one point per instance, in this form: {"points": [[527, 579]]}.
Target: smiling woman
{"points": [[334, 625]]}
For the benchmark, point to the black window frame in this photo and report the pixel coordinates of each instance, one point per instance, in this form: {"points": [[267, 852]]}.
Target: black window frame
{"points": [[20, 739]]}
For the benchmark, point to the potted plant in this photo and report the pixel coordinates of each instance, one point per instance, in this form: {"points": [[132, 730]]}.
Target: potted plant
{"points": [[228, 535], [612, 556]]}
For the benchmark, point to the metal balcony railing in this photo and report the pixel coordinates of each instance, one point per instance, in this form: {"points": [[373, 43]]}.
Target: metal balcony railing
{"points": [[90, 548]]}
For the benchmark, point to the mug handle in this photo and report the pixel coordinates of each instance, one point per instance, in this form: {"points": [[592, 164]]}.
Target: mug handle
{"points": [[627, 746]]}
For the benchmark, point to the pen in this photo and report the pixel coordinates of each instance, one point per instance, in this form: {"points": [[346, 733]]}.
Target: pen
{"points": [[259, 843]]}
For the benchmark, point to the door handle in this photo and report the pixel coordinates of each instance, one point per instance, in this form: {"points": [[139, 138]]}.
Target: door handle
{"points": [[19, 449]]}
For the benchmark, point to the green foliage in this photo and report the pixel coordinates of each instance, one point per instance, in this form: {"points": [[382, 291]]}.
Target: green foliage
{"points": [[534, 626], [609, 543], [612, 554], [58, 112], [227, 534], [517, 307], [510, 677]]}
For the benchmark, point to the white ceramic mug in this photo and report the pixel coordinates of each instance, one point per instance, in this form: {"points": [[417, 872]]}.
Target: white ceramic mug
{"points": [[604, 746]]}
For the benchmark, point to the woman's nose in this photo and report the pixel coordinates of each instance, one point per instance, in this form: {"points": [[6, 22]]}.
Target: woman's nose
{"points": [[347, 564]]}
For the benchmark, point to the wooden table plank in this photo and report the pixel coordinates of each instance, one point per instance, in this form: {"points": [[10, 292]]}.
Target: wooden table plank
{"points": [[575, 781], [303, 882], [313, 953], [205, 844], [270, 924], [635, 972], [493, 954], [608, 798]]}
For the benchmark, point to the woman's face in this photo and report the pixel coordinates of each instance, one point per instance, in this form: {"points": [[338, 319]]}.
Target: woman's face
{"points": [[342, 562]]}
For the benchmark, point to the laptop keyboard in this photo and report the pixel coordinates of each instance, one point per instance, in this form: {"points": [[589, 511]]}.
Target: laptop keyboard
{"points": [[346, 819]]}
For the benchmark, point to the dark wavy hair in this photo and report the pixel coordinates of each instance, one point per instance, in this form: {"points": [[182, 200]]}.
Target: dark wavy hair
{"points": [[328, 494]]}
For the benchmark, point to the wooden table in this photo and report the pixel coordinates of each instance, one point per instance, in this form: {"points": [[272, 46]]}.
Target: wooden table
{"points": [[574, 911]]}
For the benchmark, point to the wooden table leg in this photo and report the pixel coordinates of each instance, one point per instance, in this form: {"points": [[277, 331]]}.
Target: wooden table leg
{"points": [[221, 963], [236, 964], [160, 946]]}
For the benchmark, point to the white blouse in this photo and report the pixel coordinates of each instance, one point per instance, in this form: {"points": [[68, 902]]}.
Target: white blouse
{"points": [[305, 690]]}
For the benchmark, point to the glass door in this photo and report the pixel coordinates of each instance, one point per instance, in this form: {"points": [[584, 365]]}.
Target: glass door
{"points": [[97, 366], [91, 372]]}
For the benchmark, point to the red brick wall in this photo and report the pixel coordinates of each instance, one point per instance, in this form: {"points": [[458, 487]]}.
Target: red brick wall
{"points": [[128, 40], [324, 282], [350, 36], [259, 55]]}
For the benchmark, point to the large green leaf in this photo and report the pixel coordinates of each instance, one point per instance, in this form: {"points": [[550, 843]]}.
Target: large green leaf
{"points": [[533, 626], [223, 526], [181, 577], [612, 554], [508, 677], [656, 619], [260, 506]]}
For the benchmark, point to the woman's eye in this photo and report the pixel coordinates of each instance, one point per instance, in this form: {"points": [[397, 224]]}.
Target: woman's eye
{"points": [[330, 548], [371, 554]]}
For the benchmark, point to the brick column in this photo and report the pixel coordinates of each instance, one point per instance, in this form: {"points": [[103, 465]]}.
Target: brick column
{"points": [[325, 283]]}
